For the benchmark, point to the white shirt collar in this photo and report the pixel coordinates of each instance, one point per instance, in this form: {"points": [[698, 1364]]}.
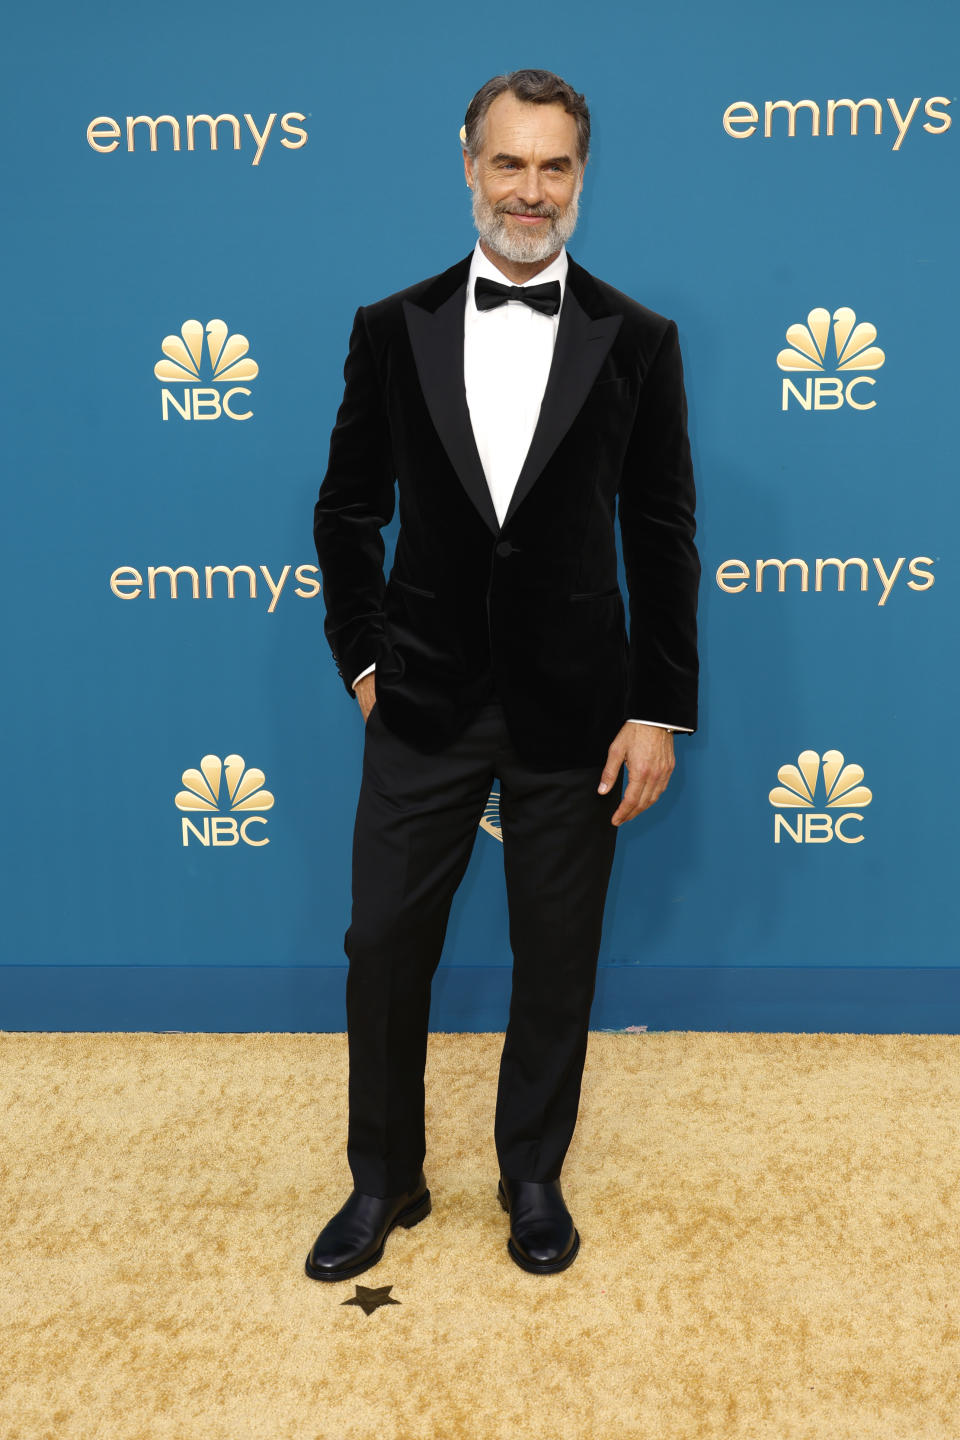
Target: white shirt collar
{"points": [[480, 265]]}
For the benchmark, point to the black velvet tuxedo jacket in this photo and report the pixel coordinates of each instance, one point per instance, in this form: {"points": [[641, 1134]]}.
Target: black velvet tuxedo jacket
{"points": [[532, 605]]}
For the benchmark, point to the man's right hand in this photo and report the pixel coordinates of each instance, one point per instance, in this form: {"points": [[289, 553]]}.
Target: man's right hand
{"points": [[366, 693]]}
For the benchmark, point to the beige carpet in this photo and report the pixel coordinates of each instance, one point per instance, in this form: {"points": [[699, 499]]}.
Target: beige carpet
{"points": [[770, 1243]]}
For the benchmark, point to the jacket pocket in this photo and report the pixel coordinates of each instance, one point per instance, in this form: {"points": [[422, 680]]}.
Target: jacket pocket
{"points": [[596, 594], [414, 589]]}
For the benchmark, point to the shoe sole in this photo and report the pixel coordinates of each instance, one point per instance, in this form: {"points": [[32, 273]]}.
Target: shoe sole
{"points": [[407, 1218], [547, 1267]]}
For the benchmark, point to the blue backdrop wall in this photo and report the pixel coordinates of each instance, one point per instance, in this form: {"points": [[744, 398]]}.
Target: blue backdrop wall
{"points": [[782, 182]]}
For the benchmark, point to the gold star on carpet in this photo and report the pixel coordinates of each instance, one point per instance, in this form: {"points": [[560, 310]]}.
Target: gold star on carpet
{"points": [[371, 1299]]}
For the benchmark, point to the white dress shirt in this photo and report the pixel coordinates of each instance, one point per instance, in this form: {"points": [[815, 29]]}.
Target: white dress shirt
{"points": [[507, 353]]}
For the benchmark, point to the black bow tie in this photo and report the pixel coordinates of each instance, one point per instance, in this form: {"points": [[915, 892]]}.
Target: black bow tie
{"points": [[543, 298]]}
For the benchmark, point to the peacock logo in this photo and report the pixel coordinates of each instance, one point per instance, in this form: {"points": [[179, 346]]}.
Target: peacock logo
{"points": [[223, 786], [490, 819], [223, 360], [842, 788], [837, 343]]}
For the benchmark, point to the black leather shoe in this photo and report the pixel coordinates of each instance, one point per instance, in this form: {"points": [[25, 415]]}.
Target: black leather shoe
{"points": [[354, 1239], [543, 1238]]}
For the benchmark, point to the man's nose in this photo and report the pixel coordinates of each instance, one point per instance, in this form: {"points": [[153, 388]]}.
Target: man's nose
{"points": [[530, 188]]}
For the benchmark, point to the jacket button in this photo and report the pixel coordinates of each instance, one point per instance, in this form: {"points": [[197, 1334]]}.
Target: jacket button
{"points": [[504, 548]]}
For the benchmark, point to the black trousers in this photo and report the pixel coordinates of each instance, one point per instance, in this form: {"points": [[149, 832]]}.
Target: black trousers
{"points": [[417, 818]]}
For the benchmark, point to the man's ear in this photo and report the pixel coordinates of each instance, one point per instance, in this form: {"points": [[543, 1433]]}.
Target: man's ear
{"points": [[582, 169], [468, 168]]}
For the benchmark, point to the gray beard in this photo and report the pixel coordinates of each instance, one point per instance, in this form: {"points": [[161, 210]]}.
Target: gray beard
{"points": [[526, 247]]}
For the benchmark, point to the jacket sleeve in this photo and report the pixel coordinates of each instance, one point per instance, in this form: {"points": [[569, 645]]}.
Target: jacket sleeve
{"points": [[657, 526], [356, 501]]}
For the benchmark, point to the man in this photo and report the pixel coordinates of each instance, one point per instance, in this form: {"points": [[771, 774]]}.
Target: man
{"points": [[514, 398]]}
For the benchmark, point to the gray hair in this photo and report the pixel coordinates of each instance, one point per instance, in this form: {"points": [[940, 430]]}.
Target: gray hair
{"points": [[535, 87]]}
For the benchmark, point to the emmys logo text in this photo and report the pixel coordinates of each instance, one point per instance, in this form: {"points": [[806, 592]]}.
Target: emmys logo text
{"points": [[828, 573], [741, 120], [173, 582], [104, 134]]}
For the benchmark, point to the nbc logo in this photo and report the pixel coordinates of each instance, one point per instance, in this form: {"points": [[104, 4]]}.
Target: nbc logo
{"points": [[490, 819], [842, 790], [852, 349], [223, 785], [185, 365]]}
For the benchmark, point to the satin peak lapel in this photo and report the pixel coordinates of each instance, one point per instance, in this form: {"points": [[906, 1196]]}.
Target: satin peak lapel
{"points": [[436, 338], [581, 347]]}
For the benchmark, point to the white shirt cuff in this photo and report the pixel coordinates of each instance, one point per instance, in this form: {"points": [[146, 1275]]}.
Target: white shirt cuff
{"points": [[661, 725], [353, 683]]}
